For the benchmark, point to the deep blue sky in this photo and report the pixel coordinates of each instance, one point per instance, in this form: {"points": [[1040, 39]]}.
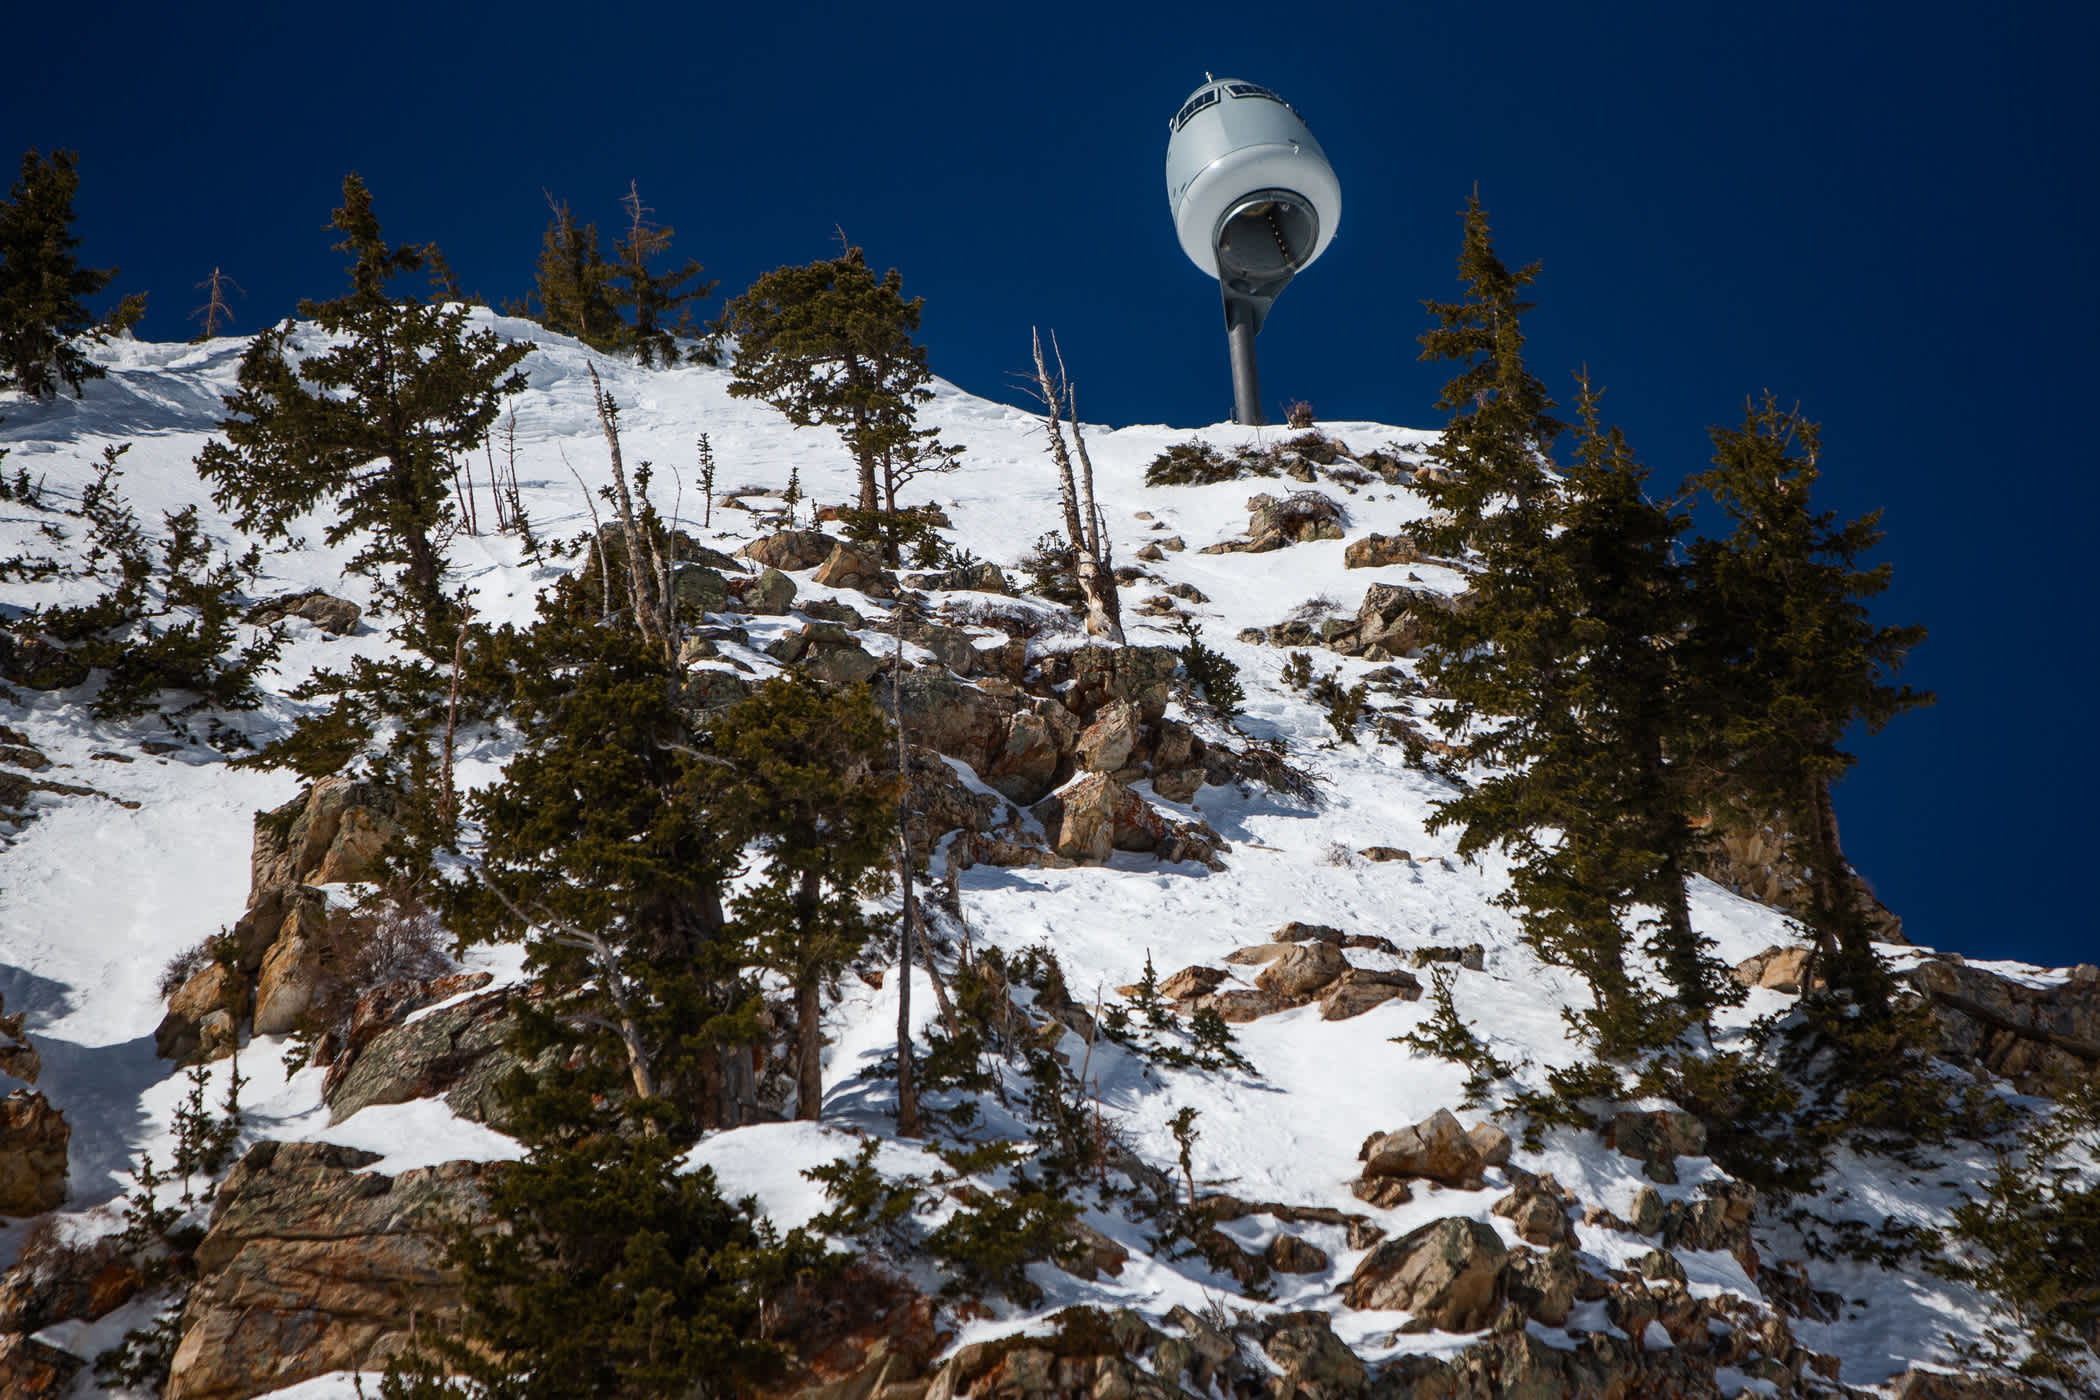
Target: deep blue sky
{"points": [[1882, 212]]}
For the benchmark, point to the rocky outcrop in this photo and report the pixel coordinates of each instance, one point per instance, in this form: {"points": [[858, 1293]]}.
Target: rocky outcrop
{"points": [[32, 1370], [1749, 855], [1539, 1210], [1097, 814], [457, 1051], [791, 550], [1379, 551], [1448, 1273], [336, 616], [1781, 969], [2044, 1039], [312, 1266], [847, 567], [1274, 522], [1436, 1149], [204, 1015], [33, 1138], [332, 833]]}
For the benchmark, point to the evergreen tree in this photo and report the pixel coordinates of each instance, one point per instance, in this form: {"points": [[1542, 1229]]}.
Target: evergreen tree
{"points": [[598, 854], [653, 297], [610, 1273], [43, 288], [372, 425], [829, 343], [801, 777], [574, 283], [1791, 660], [1509, 658]]}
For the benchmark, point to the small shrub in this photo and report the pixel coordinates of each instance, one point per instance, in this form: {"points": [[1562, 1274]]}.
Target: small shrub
{"points": [[1211, 673], [1298, 414], [1345, 704], [215, 948], [1298, 671], [1191, 464], [992, 1240], [1447, 1036], [1052, 566]]}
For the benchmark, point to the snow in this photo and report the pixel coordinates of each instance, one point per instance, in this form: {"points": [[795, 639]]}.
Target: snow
{"points": [[98, 894]]}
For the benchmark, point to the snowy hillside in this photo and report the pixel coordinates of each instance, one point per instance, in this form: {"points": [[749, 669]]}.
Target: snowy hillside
{"points": [[138, 847]]}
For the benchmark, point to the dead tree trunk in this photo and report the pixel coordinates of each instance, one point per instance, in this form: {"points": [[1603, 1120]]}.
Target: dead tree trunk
{"points": [[1096, 583]]}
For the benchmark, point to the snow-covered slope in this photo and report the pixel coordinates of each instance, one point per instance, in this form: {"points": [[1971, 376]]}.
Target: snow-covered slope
{"points": [[100, 891]]}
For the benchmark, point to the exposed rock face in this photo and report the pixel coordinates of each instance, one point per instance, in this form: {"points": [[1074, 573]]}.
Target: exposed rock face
{"points": [[207, 1007], [1779, 968], [1437, 1148], [1447, 1273], [1748, 856], [848, 567], [291, 972], [336, 616], [33, 1138], [31, 1370], [791, 549], [331, 833], [457, 1051], [1104, 746], [1288, 1254], [1389, 616], [1099, 674], [1097, 814], [699, 590], [1379, 551], [313, 1266], [2044, 1039], [1300, 974], [770, 593], [1718, 1219]]}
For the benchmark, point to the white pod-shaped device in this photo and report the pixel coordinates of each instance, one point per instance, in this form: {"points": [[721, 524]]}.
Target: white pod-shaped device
{"points": [[1253, 197]]}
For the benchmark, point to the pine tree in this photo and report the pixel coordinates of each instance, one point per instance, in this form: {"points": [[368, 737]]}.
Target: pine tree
{"points": [[599, 855], [574, 283], [1509, 657], [610, 1273], [830, 344], [801, 777], [1792, 659], [43, 288], [372, 425], [653, 297]]}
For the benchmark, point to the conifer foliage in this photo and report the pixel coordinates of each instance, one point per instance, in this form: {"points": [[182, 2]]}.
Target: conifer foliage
{"points": [[831, 344], [44, 319], [801, 778], [373, 424], [1793, 660]]}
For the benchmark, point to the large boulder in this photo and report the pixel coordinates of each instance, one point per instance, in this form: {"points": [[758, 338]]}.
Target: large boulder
{"points": [[1539, 1211], [770, 593], [458, 1051], [1316, 1364], [1300, 974], [336, 616], [1360, 989], [1105, 745], [313, 1265], [1101, 674], [33, 1138], [1097, 814], [791, 549], [1025, 767], [1390, 616], [203, 1015], [1378, 551], [333, 833], [699, 589], [1437, 1148], [848, 567], [1448, 1273]]}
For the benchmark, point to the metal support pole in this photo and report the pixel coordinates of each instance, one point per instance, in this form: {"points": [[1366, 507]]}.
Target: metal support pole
{"points": [[1246, 381]]}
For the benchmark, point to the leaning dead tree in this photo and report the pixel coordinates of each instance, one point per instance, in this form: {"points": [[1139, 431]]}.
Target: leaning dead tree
{"points": [[216, 310], [1090, 555]]}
